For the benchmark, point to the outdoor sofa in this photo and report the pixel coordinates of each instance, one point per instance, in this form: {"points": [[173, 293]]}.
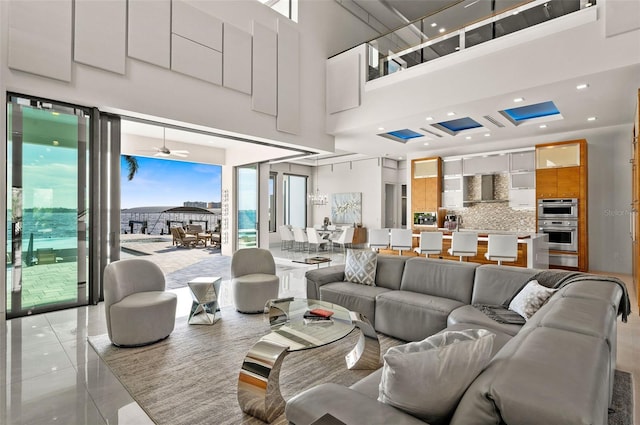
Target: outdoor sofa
{"points": [[557, 368]]}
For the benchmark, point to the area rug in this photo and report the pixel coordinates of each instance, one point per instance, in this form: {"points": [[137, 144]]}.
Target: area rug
{"points": [[191, 377]]}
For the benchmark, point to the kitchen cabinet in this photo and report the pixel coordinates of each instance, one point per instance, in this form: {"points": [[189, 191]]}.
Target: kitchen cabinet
{"points": [[635, 200], [522, 199], [522, 180], [426, 185], [558, 182], [491, 164], [558, 155], [522, 161], [452, 167], [452, 199]]}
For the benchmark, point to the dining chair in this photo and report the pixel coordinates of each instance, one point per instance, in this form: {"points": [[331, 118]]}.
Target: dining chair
{"points": [[401, 239], [464, 244], [346, 237], [378, 238], [300, 237], [286, 236], [502, 248], [430, 243], [314, 239]]}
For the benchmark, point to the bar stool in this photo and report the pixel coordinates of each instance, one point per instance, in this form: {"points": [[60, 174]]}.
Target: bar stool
{"points": [[430, 243], [502, 248], [464, 244], [378, 238], [401, 239]]}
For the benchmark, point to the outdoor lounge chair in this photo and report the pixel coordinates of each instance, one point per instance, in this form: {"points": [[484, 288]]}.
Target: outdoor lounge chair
{"points": [[182, 238]]}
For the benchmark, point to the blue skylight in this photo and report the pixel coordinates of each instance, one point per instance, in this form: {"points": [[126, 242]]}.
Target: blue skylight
{"points": [[529, 112], [404, 134], [460, 124]]}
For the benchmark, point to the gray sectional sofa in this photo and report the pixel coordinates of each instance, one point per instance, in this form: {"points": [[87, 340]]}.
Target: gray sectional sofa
{"points": [[557, 368]]}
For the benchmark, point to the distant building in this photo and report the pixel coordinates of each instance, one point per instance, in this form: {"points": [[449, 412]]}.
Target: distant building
{"points": [[198, 204], [216, 205]]}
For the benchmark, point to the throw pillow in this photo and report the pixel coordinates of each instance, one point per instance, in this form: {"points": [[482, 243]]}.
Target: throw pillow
{"points": [[530, 299], [360, 267], [427, 378]]}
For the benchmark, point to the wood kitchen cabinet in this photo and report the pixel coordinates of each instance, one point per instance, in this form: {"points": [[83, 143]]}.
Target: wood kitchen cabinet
{"points": [[561, 172], [426, 184], [558, 182], [635, 200]]}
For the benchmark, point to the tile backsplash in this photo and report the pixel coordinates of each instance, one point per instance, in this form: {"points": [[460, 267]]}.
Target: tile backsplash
{"points": [[494, 215]]}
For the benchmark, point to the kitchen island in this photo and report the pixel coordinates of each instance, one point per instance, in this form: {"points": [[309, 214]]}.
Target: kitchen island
{"points": [[533, 250]]}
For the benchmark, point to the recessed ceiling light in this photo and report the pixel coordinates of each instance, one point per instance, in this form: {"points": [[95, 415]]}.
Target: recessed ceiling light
{"points": [[592, 118], [588, 4], [450, 114], [518, 99], [433, 25], [429, 118], [441, 30], [426, 144], [516, 12], [457, 48], [543, 126], [399, 157], [487, 134], [468, 137], [380, 128], [582, 86]]}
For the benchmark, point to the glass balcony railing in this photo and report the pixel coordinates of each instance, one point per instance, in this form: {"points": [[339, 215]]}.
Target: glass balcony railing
{"points": [[465, 24]]}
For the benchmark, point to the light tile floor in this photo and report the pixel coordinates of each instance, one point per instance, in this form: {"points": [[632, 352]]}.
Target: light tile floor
{"points": [[52, 375]]}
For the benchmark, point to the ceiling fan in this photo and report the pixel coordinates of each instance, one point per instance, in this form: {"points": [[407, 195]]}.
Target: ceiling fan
{"points": [[164, 151]]}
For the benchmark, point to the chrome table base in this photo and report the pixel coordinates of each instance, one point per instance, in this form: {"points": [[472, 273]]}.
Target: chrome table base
{"points": [[366, 353], [259, 381]]}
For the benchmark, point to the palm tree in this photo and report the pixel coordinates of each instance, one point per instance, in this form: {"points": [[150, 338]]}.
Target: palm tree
{"points": [[132, 164]]}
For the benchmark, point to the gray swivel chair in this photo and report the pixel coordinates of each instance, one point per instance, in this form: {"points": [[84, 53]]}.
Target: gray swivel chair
{"points": [[136, 306], [253, 279]]}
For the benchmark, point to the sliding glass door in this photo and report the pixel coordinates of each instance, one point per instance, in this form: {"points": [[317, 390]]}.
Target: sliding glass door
{"points": [[47, 205], [247, 205]]}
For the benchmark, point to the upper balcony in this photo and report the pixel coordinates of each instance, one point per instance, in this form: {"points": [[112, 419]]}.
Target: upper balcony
{"points": [[462, 25]]}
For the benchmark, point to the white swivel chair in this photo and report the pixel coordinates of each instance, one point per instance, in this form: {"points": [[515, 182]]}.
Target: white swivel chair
{"points": [[314, 239], [401, 239], [300, 237], [253, 279], [430, 243], [346, 237], [138, 309], [286, 236], [464, 244], [378, 238], [502, 248]]}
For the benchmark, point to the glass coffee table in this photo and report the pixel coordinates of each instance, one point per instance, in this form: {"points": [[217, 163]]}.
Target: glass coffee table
{"points": [[259, 380]]}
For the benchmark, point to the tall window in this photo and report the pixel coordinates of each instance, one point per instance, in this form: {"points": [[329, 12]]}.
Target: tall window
{"points": [[247, 205], [295, 200], [288, 8], [272, 201]]}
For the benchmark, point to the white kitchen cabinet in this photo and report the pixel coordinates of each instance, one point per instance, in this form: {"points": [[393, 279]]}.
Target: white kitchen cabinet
{"points": [[491, 164], [522, 180], [523, 161], [522, 199], [452, 199], [452, 167]]}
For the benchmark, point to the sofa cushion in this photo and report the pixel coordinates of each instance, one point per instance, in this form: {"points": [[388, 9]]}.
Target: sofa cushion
{"points": [[468, 314], [360, 267], [493, 285], [441, 278], [530, 299], [353, 296], [541, 376], [389, 271], [427, 378], [412, 316], [346, 405]]}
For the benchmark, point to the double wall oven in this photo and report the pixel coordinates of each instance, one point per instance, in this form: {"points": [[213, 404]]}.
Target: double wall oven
{"points": [[558, 218]]}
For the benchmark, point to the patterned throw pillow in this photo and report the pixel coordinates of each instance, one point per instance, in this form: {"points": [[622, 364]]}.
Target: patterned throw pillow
{"points": [[360, 267], [530, 299]]}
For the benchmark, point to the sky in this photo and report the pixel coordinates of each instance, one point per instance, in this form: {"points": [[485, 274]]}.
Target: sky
{"points": [[165, 182]]}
